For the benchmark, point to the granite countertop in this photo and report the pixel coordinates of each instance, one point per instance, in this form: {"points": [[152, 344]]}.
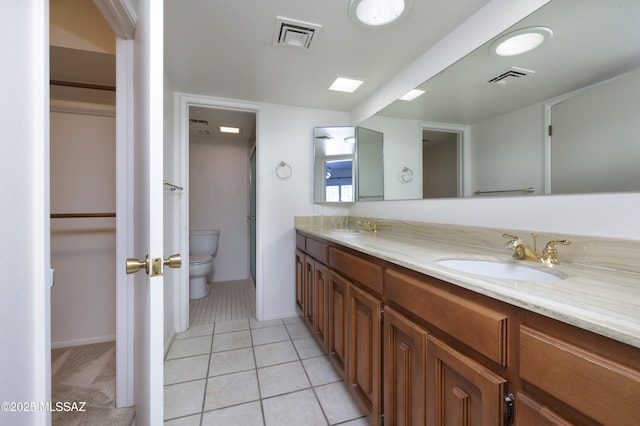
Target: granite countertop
{"points": [[603, 300]]}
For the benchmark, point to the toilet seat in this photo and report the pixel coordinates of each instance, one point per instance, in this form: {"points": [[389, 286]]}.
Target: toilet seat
{"points": [[200, 260]]}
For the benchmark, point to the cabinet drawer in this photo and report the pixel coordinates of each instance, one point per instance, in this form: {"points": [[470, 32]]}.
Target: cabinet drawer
{"points": [[358, 269], [318, 250], [301, 242], [474, 325], [600, 388]]}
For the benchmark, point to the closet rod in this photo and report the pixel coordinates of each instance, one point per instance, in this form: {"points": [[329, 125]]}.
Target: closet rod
{"points": [[76, 215], [82, 85]]}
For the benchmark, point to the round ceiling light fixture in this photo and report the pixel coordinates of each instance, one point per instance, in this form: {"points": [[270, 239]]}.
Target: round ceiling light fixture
{"points": [[520, 41], [376, 13]]}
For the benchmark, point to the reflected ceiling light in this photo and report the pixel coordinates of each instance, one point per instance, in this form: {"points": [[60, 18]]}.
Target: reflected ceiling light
{"points": [[375, 13], [521, 41], [411, 95], [350, 139], [345, 84], [225, 129]]}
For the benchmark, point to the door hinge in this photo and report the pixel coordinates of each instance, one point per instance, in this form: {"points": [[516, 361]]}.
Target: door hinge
{"points": [[550, 130], [381, 419], [382, 317], [509, 408]]}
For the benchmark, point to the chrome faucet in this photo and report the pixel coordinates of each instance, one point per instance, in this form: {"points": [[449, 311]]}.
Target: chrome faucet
{"points": [[523, 251]]}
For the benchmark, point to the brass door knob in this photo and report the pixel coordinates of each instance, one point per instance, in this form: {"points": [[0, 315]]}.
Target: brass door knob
{"points": [[173, 261], [134, 265]]}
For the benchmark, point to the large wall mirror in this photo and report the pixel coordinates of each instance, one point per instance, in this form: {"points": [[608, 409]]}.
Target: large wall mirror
{"points": [[481, 128], [348, 164]]}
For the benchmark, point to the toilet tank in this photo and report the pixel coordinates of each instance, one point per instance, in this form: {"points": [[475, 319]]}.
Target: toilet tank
{"points": [[203, 242]]}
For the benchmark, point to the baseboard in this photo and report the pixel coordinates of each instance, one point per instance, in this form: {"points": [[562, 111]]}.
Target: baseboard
{"points": [[80, 342], [168, 344]]}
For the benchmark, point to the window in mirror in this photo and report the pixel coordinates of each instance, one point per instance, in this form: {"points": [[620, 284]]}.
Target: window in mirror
{"points": [[348, 164], [339, 180]]}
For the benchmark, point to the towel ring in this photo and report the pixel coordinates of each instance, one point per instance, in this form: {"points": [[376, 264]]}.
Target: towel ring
{"points": [[283, 170], [406, 175]]}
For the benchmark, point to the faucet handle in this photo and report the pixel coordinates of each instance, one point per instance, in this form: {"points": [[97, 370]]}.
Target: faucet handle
{"points": [[514, 240], [550, 251]]}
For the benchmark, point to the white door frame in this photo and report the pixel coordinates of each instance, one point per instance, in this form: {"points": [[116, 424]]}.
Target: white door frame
{"points": [[182, 103], [124, 224]]}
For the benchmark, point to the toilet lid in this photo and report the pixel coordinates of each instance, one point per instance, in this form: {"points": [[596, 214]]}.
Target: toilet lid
{"points": [[199, 260]]}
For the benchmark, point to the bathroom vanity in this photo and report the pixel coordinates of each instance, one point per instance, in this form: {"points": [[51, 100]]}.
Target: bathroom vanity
{"points": [[420, 343]]}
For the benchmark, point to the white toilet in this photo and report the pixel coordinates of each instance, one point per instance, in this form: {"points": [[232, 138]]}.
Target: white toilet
{"points": [[203, 247]]}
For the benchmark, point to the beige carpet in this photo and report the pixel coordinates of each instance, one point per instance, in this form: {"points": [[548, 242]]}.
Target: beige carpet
{"points": [[87, 374]]}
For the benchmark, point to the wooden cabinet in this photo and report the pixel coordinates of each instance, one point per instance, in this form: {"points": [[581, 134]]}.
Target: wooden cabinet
{"points": [[460, 391], [593, 384], [308, 291], [300, 277], [404, 370], [337, 324], [364, 371], [530, 413], [320, 304], [443, 355]]}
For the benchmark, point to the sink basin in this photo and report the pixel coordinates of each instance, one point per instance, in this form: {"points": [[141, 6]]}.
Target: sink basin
{"points": [[507, 271], [345, 231]]}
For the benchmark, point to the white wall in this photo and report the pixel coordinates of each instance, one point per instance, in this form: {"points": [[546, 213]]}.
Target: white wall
{"points": [[603, 215], [25, 370], [402, 148], [507, 152], [285, 134], [218, 199], [83, 170]]}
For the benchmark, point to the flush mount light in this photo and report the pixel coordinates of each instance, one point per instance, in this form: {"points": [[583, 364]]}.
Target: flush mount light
{"points": [[350, 139], [376, 13], [225, 129], [520, 41], [411, 95], [345, 84]]}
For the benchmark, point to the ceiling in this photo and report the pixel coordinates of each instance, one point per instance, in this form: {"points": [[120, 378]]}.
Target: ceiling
{"points": [[593, 40], [224, 48]]}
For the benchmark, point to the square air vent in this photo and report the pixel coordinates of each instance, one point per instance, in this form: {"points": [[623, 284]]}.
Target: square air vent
{"points": [[294, 33], [509, 75]]}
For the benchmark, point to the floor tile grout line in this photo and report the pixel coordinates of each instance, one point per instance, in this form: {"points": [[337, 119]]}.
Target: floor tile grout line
{"points": [[313, 388], [255, 364]]}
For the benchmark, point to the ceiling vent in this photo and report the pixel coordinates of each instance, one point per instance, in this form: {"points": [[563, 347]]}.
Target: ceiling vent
{"points": [[509, 75], [294, 33]]}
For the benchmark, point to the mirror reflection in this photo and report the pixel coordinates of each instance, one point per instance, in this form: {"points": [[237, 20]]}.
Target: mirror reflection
{"points": [[348, 164], [561, 118]]}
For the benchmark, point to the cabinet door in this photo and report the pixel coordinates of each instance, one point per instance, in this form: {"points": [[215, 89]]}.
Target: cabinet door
{"points": [[337, 324], [404, 371], [530, 413], [309, 266], [459, 390], [320, 310], [300, 281], [364, 371]]}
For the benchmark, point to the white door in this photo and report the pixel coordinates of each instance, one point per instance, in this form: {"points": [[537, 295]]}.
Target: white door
{"points": [[148, 212]]}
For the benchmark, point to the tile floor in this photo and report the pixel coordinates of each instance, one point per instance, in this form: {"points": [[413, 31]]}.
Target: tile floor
{"points": [[245, 372]]}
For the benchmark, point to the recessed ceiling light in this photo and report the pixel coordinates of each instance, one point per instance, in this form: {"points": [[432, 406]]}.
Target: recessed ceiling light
{"points": [[345, 84], [521, 41], [411, 95], [225, 129], [376, 13]]}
